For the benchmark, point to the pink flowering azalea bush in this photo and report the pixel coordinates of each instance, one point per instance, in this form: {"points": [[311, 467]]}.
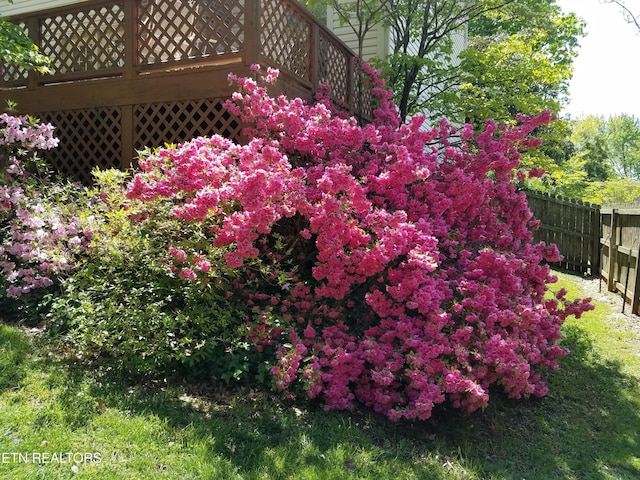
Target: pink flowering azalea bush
{"points": [[41, 236], [385, 265]]}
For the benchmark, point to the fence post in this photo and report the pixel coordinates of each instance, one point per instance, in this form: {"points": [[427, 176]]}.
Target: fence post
{"points": [[128, 154], [34, 33], [253, 30], [635, 299], [315, 57], [351, 94], [131, 57], [613, 250], [596, 227], [131, 46]]}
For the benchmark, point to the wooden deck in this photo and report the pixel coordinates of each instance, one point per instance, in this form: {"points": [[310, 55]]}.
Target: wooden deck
{"points": [[136, 73]]}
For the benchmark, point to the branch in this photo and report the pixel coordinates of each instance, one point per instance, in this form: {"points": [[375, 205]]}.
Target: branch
{"points": [[626, 12]]}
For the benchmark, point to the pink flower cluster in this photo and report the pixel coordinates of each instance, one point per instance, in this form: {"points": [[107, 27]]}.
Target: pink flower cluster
{"points": [[396, 268], [40, 241], [41, 244], [26, 132]]}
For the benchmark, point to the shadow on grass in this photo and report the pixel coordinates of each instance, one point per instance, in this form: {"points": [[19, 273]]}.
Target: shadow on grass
{"points": [[588, 427], [606, 409]]}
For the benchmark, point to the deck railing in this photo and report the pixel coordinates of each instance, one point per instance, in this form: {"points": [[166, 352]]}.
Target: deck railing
{"points": [[135, 73]]}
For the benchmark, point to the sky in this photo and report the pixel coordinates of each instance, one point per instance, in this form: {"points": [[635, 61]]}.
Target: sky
{"points": [[606, 78]]}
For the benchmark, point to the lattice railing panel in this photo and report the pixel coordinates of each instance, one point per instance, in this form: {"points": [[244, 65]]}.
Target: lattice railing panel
{"points": [[160, 123], [285, 37], [334, 69], [85, 40], [14, 74], [188, 29], [362, 99], [88, 138]]}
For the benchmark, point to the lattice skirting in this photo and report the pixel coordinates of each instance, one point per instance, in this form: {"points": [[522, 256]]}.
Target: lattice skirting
{"points": [[88, 139], [158, 123], [92, 138]]}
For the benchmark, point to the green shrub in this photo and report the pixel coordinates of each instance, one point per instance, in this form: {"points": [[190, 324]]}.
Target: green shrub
{"points": [[143, 317], [126, 303]]}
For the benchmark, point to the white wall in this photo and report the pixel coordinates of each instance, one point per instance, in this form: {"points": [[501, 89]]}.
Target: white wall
{"points": [[21, 7], [375, 42]]}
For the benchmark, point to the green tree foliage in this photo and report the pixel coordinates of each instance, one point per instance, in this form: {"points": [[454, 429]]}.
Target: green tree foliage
{"points": [[589, 139], [612, 192], [585, 161], [607, 152], [623, 139], [422, 67], [519, 60], [16, 48]]}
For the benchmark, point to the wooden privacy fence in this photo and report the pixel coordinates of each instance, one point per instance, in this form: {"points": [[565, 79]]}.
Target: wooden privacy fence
{"points": [[602, 241], [136, 73], [573, 226], [620, 244]]}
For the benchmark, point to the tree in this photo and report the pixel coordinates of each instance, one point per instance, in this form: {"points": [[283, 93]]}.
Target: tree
{"points": [[627, 12], [589, 138], [602, 163], [623, 139], [582, 160], [519, 60], [565, 172], [612, 192], [360, 15], [420, 65]]}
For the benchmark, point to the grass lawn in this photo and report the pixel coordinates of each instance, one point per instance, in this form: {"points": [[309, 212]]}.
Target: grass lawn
{"points": [[588, 427]]}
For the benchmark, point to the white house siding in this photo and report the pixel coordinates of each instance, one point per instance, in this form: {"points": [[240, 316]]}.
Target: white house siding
{"points": [[20, 7], [459, 38], [376, 44], [460, 42]]}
